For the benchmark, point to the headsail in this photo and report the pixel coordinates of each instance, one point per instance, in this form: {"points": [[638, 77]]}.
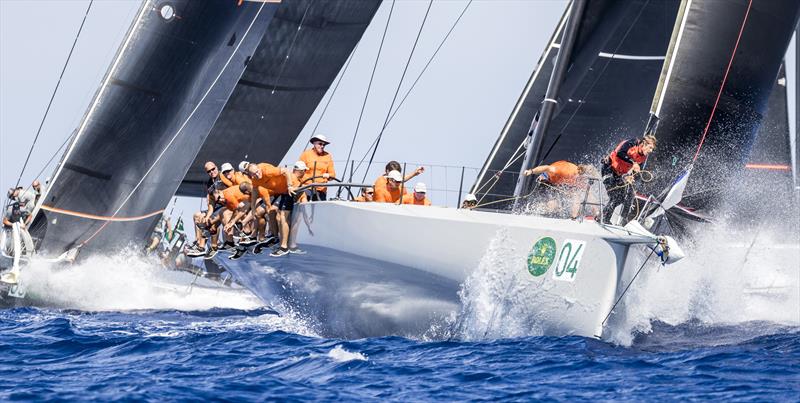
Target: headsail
{"points": [[723, 62], [303, 50], [605, 95], [168, 83]]}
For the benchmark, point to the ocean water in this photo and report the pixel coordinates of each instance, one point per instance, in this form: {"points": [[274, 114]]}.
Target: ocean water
{"points": [[723, 326]]}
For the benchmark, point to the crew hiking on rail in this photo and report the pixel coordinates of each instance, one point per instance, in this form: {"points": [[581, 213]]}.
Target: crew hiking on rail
{"points": [[620, 169]]}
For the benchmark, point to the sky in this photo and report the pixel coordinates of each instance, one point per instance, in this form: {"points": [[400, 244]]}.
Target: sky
{"points": [[450, 120]]}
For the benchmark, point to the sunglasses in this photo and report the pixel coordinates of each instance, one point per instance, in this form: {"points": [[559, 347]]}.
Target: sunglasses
{"points": [[211, 170], [370, 193], [319, 143]]}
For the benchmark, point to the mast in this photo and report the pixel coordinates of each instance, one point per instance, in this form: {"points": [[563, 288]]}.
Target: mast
{"points": [[549, 103]]}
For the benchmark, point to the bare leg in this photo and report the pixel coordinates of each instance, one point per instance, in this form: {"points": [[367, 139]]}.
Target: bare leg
{"points": [[283, 221], [273, 220], [198, 233]]}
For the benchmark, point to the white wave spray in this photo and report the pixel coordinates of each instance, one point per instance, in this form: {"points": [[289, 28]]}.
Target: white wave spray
{"points": [[729, 277], [124, 281]]}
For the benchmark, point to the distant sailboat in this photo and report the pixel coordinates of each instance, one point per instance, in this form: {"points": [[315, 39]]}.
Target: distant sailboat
{"points": [[190, 79]]}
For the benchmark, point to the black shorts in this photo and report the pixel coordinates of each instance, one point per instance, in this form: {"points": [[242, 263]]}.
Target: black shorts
{"points": [[284, 202]]}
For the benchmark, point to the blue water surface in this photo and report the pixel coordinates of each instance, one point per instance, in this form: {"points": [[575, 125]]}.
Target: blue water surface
{"points": [[244, 355]]}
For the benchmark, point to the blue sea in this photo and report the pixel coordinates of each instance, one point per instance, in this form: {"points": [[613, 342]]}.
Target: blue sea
{"points": [[122, 329], [235, 355]]}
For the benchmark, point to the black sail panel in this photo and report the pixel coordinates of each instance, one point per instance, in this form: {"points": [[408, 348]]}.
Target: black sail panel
{"points": [[276, 95], [170, 79], [719, 80], [605, 95]]}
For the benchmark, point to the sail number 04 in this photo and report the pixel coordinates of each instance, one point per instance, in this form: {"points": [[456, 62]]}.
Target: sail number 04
{"points": [[569, 260]]}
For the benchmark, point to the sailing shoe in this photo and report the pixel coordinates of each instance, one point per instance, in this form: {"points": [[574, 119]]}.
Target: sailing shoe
{"points": [[270, 240], [260, 247], [211, 253], [279, 252], [229, 246], [297, 251], [245, 240], [239, 253]]}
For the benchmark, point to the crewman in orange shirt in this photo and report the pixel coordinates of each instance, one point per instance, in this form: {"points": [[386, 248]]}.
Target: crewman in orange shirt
{"points": [[264, 177], [380, 183], [560, 180], [393, 190], [238, 210], [284, 202], [367, 195], [230, 177], [320, 164], [418, 197]]}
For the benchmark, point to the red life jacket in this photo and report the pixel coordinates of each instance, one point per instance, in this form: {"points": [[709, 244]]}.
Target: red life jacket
{"points": [[622, 167]]}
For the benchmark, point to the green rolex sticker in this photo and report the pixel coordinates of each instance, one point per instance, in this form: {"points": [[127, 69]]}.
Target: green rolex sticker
{"points": [[542, 256]]}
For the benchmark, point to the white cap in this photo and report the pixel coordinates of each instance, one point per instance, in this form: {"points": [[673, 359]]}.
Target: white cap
{"points": [[419, 187], [470, 198], [243, 166], [226, 167], [300, 166], [319, 137], [396, 175]]}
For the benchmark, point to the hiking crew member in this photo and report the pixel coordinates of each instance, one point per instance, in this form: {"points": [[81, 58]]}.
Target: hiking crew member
{"points": [[618, 172], [393, 190], [380, 183], [418, 197], [230, 177], [367, 195], [237, 208], [320, 164], [470, 201], [283, 202], [559, 182], [267, 178]]}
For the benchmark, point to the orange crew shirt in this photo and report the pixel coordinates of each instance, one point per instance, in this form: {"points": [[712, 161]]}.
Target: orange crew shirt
{"points": [[234, 196], [238, 178], [386, 195], [261, 185], [410, 199], [563, 173], [318, 165]]}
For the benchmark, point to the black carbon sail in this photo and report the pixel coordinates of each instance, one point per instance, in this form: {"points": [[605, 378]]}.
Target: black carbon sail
{"points": [[723, 62], [303, 50], [168, 83], [605, 96]]}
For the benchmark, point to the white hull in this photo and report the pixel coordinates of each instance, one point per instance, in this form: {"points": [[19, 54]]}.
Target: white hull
{"points": [[404, 265]]}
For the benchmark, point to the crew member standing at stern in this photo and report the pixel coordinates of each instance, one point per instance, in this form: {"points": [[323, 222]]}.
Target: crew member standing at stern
{"points": [[320, 165]]}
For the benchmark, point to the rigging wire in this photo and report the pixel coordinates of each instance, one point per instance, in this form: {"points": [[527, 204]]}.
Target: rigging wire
{"points": [[53, 96], [399, 84], [438, 48], [419, 76], [369, 88]]}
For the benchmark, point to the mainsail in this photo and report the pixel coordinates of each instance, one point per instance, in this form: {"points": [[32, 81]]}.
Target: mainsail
{"points": [[303, 50], [168, 83], [605, 96], [713, 93]]}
